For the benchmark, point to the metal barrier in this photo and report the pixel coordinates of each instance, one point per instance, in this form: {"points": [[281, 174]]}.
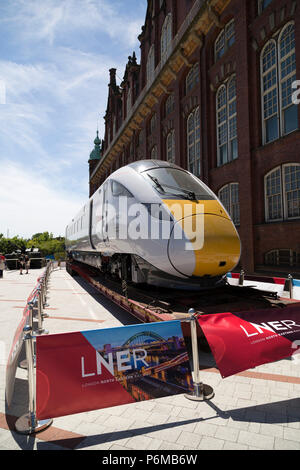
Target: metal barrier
{"points": [[201, 391], [28, 424]]}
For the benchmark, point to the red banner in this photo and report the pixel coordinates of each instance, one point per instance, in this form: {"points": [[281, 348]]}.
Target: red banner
{"points": [[245, 340], [97, 369]]}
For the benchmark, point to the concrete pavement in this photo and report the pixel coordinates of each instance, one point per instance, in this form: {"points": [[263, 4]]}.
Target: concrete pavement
{"points": [[258, 409]]}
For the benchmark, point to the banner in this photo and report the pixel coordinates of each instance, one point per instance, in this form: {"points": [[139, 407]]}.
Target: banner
{"points": [[13, 357], [241, 341], [90, 370]]}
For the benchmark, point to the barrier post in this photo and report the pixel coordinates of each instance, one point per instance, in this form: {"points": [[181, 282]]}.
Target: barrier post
{"points": [[24, 364], [40, 330], [290, 283], [28, 424], [242, 278], [45, 283], [201, 391]]}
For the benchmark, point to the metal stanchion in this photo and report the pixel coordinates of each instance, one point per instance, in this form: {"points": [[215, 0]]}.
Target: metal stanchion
{"points": [[28, 424], [24, 364], [201, 391], [40, 330], [290, 285]]}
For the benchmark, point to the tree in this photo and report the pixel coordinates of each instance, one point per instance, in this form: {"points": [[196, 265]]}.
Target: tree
{"points": [[9, 245]]}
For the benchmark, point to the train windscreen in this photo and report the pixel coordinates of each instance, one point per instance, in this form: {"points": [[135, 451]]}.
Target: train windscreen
{"points": [[172, 182]]}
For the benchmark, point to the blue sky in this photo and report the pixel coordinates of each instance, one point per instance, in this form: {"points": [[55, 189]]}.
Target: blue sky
{"points": [[119, 335], [55, 57]]}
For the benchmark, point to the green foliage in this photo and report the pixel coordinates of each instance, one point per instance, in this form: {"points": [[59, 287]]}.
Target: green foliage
{"points": [[8, 245], [44, 241]]}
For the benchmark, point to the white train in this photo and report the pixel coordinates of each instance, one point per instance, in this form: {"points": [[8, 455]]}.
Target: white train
{"points": [[152, 222]]}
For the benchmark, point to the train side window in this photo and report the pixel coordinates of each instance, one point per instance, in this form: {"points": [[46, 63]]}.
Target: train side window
{"points": [[118, 190]]}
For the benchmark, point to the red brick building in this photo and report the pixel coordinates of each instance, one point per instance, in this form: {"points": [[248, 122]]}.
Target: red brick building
{"points": [[213, 93]]}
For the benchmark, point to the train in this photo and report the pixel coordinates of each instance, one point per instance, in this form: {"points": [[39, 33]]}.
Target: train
{"points": [[154, 223]]}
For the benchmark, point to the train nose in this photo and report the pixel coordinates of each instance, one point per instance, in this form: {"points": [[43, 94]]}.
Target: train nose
{"points": [[209, 245]]}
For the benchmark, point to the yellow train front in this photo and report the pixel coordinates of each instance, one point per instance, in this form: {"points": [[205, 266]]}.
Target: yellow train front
{"points": [[154, 223]]}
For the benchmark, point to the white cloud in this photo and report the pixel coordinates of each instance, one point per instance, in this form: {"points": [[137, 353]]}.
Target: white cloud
{"points": [[55, 76], [45, 20], [29, 204]]}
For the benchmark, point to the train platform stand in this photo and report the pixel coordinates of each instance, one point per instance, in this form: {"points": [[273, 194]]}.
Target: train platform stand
{"points": [[258, 409]]}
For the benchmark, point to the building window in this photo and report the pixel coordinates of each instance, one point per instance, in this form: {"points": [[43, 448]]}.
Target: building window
{"points": [[170, 144], [193, 142], [227, 143], [283, 257], [166, 38], [141, 138], [229, 197], [150, 65], [170, 105], [154, 153], [262, 4], [131, 151], [282, 193], [193, 78], [129, 102], [225, 40], [278, 72], [152, 124]]}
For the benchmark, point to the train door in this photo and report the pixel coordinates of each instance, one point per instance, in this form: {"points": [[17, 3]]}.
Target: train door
{"points": [[95, 231], [105, 214], [91, 224]]}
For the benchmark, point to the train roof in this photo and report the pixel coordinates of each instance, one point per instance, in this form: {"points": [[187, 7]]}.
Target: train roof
{"points": [[144, 165]]}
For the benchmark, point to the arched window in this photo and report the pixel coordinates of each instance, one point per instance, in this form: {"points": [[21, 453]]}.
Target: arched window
{"points": [[150, 65], [193, 142], [129, 102], [282, 193], [278, 72], [170, 105], [269, 83], [262, 4], [152, 126], [287, 68], [154, 154], [225, 40], [170, 147], [227, 144], [229, 197], [193, 78], [166, 38]]}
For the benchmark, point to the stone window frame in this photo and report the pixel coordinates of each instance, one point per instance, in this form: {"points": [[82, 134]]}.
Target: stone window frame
{"points": [[193, 129], [226, 121], [231, 201], [281, 193], [225, 39], [277, 73], [170, 146], [166, 38]]}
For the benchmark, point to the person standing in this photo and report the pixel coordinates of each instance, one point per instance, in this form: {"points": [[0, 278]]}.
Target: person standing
{"points": [[2, 264], [21, 263], [27, 263]]}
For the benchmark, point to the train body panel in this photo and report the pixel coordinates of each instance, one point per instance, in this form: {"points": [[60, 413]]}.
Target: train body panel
{"points": [[166, 223]]}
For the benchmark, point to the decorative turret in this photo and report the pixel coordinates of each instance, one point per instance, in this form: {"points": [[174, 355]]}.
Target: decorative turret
{"points": [[96, 153]]}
